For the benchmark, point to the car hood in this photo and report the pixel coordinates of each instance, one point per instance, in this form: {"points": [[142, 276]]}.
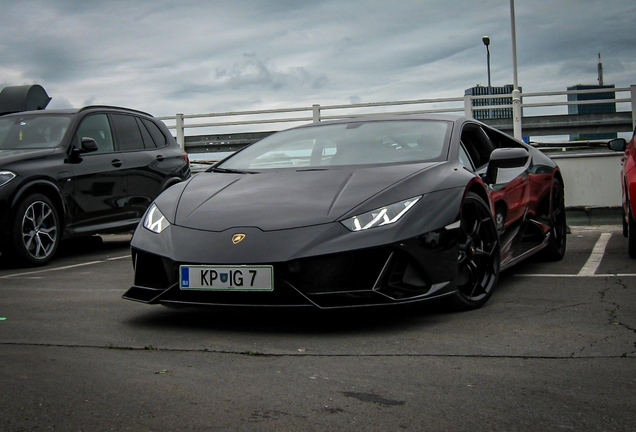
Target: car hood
{"points": [[282, 199], [9, 156]]}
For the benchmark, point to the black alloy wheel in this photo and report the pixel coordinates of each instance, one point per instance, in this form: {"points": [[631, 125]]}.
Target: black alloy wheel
{"points": [[478, 258], [625, 223], [631, 233], [558, 224], [35, 230]]}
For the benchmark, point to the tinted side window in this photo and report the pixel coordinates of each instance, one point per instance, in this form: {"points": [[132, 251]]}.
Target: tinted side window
{"points": [[128, 133], [96, 126], [148, 141], [501, 140], [478, 145], [158, 137]]}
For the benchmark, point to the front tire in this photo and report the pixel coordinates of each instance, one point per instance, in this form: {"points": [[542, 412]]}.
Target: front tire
{"points": [[478, 257], [34, 231]]}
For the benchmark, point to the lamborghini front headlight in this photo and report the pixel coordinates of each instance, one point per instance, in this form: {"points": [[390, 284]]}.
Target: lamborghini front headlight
{"points": [[383, 216]]}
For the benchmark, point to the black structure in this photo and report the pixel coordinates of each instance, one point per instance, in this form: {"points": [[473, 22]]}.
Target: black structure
{"points": [[600, 108], [23, 98]]}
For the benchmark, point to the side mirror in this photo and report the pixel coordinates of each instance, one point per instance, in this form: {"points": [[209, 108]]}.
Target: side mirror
{"points": [[618, 144], [515, 157], [88, 145]]}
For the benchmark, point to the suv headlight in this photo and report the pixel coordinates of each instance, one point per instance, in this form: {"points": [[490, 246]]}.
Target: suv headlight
{"points": [[155, 221], [6, 177], [383, 216]]}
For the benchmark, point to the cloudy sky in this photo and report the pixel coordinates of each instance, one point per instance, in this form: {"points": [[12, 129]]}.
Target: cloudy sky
{"points": [[195, 56]]}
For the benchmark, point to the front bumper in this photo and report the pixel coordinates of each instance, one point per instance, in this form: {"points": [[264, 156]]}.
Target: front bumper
{"points": [[420, 268]]}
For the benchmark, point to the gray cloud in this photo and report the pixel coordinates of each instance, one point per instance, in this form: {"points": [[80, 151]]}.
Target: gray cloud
{"points": [[205, 56], [252, 72]]}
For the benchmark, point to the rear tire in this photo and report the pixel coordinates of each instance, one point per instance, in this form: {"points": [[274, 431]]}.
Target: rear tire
{"points": [[34, 231], [558, 224], [631, 233]]}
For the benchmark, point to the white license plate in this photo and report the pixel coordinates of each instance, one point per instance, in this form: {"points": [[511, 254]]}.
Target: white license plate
{"points": [[226, 278]]}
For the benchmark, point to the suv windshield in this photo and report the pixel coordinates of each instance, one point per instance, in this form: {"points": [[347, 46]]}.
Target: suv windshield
{"points": [[32, 131], [357, 143]]}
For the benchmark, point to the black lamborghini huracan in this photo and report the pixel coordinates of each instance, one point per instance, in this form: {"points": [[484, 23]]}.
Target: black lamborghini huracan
{"points": [[359, 212]]}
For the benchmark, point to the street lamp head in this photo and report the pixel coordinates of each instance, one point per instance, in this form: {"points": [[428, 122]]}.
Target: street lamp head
{"points": [[486, 40]]}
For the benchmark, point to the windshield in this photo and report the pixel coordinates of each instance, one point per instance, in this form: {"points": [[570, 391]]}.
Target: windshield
{"points": [[32, 131], [359, 143]]}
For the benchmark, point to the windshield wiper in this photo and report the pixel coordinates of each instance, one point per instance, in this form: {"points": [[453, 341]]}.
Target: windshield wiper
{"points": [[231, 171]]}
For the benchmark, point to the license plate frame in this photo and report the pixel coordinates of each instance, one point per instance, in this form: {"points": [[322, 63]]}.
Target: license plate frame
{"points": [[233, 278]]}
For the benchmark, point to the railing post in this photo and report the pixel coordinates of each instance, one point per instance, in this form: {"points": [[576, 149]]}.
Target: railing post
{"points": [[516, 114], [316, 112], [180, 131], [468, 106], [632, 89]]}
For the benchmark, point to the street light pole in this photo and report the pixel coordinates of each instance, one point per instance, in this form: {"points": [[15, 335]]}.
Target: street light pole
{"points": [[486, 41], [516, 94]]}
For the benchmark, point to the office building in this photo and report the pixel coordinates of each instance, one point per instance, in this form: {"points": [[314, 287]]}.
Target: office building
{"points": [[599, 108]]}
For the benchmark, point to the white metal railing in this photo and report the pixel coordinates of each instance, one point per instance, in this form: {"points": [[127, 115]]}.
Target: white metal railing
{"points": [[253, 120]]}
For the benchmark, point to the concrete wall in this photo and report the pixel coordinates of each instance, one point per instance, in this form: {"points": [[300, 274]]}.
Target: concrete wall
{"points": [[591, 180]]}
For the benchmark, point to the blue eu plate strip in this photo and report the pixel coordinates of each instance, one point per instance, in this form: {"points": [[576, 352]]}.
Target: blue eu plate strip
{"points": [[185, 277]]}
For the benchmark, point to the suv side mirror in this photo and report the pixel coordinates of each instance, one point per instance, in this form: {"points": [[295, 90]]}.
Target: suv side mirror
{"points": [[515, 157], [618, 144], [88, 145]]}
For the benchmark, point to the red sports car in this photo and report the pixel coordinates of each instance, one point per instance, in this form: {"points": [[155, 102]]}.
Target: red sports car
{"points": [[628, 182]]}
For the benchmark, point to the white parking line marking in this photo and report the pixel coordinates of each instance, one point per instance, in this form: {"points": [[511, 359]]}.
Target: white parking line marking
{"points": [[577, 275], [590, 267], [64, 268]]}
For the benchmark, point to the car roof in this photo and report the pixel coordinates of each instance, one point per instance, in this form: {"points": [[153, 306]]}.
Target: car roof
{"points": [[68, 111], [392, 117]]}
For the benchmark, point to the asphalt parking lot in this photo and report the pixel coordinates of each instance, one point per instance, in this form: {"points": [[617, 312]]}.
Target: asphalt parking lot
{"points": [[554, 349]]}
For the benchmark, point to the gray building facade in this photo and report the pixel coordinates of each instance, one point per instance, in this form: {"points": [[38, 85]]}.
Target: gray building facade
{"points": [[501, 96]]}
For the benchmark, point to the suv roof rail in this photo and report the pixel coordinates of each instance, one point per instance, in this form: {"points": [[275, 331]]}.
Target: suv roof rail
{"points": [[114, 108]]}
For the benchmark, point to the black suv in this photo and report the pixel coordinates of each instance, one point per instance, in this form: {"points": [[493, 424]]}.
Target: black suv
{"points": [[68, 173]]}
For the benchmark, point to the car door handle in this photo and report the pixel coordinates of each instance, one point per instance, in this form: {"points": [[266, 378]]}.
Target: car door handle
{"points": [[116, 163], [160, 157]]}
